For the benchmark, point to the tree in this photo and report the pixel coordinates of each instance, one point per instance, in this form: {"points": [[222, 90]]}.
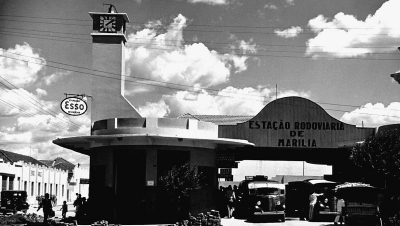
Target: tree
{"points": [[180, 181], [379, 155]]}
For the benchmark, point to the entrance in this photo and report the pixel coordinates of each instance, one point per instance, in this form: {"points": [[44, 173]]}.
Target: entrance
{"points": [[130, 186]]}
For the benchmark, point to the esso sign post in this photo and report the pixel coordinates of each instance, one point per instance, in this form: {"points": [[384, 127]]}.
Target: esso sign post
{"points": [[74, 106]]}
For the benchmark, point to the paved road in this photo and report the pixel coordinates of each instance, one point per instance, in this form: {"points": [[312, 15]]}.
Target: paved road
{"points": [[289, 222]]}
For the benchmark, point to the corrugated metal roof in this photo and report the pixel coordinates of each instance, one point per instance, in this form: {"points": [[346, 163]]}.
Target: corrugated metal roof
{"points": [[219, 119]]}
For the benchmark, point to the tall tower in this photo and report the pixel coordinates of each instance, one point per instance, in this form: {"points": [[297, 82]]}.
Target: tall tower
{"points": [[108, 54]]}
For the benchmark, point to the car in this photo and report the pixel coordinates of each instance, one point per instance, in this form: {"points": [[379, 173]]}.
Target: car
{"points": [[257, 196], [13, 201]]}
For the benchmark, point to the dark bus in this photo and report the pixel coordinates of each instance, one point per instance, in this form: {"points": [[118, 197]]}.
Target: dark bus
{"points": [[298, 198], [257, 197]]}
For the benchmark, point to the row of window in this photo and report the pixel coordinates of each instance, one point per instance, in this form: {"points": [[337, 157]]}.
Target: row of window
{"points": [[43, 186]]}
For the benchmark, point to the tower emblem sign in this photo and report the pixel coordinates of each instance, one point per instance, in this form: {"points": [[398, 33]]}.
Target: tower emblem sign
{"points": [[74, 106]]}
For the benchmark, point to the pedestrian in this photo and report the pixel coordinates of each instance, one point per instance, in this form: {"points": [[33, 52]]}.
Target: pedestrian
{"points": [[47, 207], [230, 200], [77, 204], [313, 201], [64, 209], [339, 215], [83, 207]]}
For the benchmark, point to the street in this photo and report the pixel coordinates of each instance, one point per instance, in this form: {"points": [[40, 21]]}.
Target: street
{"points": [[289, 222]]}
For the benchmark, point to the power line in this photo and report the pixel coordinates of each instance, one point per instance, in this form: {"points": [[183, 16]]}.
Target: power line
{"points": [[37, 104], [253, 54], [194, 91], [204, 42], [198, 25], [152, 80], [24, 111], [216, 31]]}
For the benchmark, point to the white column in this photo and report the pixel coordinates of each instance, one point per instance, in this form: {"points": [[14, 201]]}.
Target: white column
{"points": [[8, 183]]}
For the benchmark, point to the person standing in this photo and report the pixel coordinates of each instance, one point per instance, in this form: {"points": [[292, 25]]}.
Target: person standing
{"points": [[313, 201], [78, 204], [339, 215], [64, 209], [47, 207], [230, 200]]}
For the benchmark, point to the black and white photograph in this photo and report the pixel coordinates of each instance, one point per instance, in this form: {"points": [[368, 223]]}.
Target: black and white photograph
{"points": [[200, 112]]}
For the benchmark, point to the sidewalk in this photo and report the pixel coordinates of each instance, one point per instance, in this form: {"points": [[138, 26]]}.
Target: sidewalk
{"points": [[71, 213]]}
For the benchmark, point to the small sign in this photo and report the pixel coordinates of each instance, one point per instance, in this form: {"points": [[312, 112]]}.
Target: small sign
{"points": [[84, 181], [32, 173], [225, 171], [74, 106], [39, 174], [150, 183]]}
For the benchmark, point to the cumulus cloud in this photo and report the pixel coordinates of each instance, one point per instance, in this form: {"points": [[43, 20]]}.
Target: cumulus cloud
{"points": [[229, 101], [50, 79], [158, 110], [346, 36], [289, 33], [290, 2], [270, 6], [161, 55], [373, 115], [20, 65], [41, 92], [33, 135], [211, 2], [17, 101]]}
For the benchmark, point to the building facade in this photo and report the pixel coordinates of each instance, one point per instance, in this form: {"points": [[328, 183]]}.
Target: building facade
{"points": [[20, 172]]}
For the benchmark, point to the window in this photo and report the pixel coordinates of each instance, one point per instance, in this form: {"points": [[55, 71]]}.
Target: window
{"points": [[25, 185], [32, 188], [56, 189], [38, 188], [62, 191], [51, 189], [45, 187]]}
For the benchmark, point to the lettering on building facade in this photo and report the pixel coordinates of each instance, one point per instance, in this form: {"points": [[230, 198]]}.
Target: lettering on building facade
{"points": [[296, 131]]}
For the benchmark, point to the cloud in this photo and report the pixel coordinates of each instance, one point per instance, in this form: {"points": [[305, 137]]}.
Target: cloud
{"points": [[161, 55], [270, 6], [290, 32], [51, 79], [41, 92], [346, 36], [290, 2], [373, 115], [33, 134], [20, 65], [229, 101], [20, 101], [158, 110], [211, 2]]}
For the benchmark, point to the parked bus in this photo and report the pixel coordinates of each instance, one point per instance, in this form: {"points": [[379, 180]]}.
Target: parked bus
{"points": [[298, 198]]}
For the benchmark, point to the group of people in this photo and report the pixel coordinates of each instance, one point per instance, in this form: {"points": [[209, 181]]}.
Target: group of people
{"points": [[46, 204], [80, 205], [227, 200]]}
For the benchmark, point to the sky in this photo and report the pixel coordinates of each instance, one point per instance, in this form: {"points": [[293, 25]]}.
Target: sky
{"points": [[220, 57]]}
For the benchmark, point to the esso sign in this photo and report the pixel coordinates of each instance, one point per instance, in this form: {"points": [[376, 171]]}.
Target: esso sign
{"points": [[74, 106]]}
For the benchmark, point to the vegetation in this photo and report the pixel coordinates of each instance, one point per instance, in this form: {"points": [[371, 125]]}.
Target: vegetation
{"points": [[180, 181], [379, 156]]}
